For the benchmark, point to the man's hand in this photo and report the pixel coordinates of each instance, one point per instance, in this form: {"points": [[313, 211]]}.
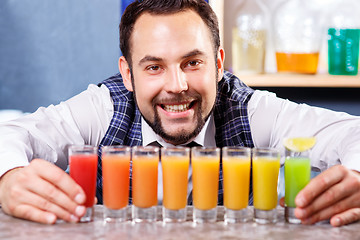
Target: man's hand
{"points": [[41, 192], [334, 195]]}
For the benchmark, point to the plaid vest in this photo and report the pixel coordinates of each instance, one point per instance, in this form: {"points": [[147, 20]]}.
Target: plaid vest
{"points": [[230, 117]]}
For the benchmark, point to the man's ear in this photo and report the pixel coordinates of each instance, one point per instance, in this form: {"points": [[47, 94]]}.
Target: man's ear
{"points": [[220, 63], [125, 73]]}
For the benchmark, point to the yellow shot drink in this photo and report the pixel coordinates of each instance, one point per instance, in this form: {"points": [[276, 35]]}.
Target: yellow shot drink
{"points": [[266, 165], [265, 176]]}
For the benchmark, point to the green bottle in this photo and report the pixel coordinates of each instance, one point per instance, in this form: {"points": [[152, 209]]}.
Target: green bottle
{"points": [[343, 51], [343, 38]]}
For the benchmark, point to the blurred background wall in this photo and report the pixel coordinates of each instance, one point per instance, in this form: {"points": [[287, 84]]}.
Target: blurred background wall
{"points": [[51, 50]]}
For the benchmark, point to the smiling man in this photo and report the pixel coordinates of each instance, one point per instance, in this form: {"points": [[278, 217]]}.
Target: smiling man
{"points": [[174, 83], [172, 89]]}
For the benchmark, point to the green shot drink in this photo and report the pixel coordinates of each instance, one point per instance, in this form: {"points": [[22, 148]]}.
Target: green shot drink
{"points": [[297, 176], [297, 172]]}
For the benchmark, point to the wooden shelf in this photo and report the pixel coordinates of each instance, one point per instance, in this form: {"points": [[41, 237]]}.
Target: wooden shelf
{"points": [[300, 80]]}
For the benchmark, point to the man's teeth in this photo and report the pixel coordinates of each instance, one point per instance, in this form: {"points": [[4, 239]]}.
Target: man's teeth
{"points": [[176, 108]]}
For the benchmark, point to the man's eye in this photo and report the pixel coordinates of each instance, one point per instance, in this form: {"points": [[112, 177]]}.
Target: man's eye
{"points": [[193, 64], [153, 68]]}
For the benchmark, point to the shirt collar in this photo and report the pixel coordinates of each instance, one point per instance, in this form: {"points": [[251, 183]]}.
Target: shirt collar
{"points": [[206, 137]]}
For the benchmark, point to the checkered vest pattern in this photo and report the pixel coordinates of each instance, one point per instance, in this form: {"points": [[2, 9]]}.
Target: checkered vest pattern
{"points": [[230, 115]]}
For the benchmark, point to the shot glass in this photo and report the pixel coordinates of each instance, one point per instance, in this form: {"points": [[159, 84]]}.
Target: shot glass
{"points": [[145, 162], [115, 172], [205, 176], [297, 176], [236, 176], [175, 167], [83, 169], [266, 165]]}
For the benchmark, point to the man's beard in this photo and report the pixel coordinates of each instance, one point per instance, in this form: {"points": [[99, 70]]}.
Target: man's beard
{"points": [[182, 137]]}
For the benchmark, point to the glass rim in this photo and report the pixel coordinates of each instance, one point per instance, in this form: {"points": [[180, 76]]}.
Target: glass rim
{"points": [[266, 149], [141, 150], [78, 147], [203, 148], [269, 153], [145, 147], [82, 146], [237, 148], [175, 149], [117, 147]]}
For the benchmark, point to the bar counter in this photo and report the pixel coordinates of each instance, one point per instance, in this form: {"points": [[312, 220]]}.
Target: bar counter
{"points": [[12, 228]]}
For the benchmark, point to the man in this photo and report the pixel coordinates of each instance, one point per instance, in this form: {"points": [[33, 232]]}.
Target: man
{"points": [[172, 73]]}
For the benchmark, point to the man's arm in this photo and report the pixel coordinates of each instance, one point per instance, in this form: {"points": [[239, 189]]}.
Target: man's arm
{"points": [[338, 141], [40, 190]]}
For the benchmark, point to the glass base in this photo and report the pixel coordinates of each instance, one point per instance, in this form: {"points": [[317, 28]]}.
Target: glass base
{"points": [[115, 215], [290, 215], [236, 216], [89, 215], [174, 215], [265, 216], [143, 214], [204, 216]]}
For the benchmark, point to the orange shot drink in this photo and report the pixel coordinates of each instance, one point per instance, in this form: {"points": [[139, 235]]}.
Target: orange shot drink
{"points": [[236, 163], [175, 168], [145, 162], [83, 169], [116, 180], [205, 177], [266, 165]]}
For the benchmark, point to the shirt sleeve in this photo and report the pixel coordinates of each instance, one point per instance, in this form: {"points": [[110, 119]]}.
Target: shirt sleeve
{"points": [[49, 131], [337, 133]]}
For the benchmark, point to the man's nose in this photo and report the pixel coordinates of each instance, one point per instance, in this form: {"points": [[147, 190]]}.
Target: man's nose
{"points": [[176, 82]]}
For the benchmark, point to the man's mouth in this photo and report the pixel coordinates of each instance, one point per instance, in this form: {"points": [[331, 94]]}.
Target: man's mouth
{"points": [[177, 107]]}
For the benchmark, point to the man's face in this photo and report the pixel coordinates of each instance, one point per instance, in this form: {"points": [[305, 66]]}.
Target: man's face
{"points": [[174, 74]]}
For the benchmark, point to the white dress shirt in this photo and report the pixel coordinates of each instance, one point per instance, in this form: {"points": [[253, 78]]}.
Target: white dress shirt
{"points": [[85, 118]]}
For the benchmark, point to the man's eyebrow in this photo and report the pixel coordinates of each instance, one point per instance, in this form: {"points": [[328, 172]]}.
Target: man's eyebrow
{"points": [[149, 59], [193, 53]]}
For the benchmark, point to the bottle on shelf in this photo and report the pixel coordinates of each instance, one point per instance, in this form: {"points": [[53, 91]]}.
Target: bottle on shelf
{"points": [[297, 32], [249, 38], [343, 29]]}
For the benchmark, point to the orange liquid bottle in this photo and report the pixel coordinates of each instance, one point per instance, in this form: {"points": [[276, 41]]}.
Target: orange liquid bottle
{"points": [[297, 62]]}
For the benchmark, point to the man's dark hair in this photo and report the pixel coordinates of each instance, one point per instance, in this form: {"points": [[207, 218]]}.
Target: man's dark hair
{"points": [[164, 7]]}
